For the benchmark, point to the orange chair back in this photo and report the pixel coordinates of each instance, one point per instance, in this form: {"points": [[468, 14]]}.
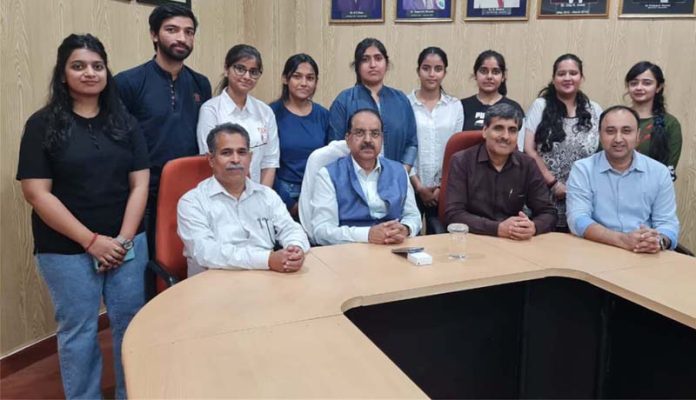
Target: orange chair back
{"points": [[458, 141], [178, 177]]}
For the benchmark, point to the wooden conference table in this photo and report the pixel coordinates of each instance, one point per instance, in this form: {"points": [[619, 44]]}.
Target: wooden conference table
{"points": [[265, 334]]}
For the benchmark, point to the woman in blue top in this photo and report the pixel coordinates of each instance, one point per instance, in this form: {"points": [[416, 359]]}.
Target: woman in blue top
{"points": [[303, 126], [370, 64]]}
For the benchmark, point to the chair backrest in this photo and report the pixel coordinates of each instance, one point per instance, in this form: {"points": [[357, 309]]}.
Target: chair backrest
{"points": [[457, 142], [178, 177], [317, 160]]}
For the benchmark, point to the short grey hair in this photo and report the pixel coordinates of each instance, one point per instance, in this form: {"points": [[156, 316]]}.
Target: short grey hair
{"points": [[228, 128], [503, 111]]}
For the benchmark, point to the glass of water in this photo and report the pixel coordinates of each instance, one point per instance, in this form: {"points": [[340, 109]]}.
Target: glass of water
{"points": [[457, 241]]}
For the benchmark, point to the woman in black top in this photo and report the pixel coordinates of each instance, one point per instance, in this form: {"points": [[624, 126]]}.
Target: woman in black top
{"points": [[83, 168], [490, 74]]}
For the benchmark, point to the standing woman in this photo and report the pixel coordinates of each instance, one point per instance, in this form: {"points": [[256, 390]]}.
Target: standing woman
{"points": [[490, 74], [370, 63], [83, 168], [303, 126], [562, 127], [660, 133], [243, 68], [438, 116]]}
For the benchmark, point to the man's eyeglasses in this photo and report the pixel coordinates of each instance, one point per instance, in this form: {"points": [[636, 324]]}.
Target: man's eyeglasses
{"points": [[360, 133], [240, 70]]}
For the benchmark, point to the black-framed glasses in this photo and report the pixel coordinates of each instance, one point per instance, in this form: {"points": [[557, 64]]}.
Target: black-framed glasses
{"points": [[240, 70], [360, 133]]}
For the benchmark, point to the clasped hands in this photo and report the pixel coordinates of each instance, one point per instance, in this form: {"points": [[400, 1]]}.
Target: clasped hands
{"points": [[642, 240], [108, 252], [518, 227], [289, 259], [390, 232]]}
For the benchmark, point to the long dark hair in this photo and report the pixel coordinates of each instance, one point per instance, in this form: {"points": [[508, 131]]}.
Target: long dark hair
{"points": [[59, 106], [659, 147], [360, 50], [236, 53], [290, 68], [485, 55], [550, 129]]}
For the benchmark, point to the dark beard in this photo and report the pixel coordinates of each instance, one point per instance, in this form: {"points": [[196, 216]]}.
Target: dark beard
{"points": [[167, 51]]}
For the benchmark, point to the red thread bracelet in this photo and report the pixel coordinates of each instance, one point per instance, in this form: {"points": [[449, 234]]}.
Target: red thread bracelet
{"points": [[91, 242]]}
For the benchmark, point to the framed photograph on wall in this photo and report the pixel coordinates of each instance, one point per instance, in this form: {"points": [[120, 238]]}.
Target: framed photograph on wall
{"points": [[357, 11], [573, 9], [497, 10], [657, 9], [424, 10], [186, 3]]}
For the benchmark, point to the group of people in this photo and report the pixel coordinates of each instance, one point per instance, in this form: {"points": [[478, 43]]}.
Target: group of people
{"points": [[365, 170]]}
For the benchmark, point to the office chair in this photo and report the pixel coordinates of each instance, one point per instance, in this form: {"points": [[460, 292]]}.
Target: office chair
{"points": [[458, 141], [178, 177]]}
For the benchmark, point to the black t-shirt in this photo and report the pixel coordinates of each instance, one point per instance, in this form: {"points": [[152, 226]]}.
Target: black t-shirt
{"points": [[89, 176], [474, 111]]}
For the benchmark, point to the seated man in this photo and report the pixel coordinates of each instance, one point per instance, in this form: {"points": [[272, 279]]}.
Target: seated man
{"points": [[619, 196], [489, 184], [364, 197], [230, 222]]}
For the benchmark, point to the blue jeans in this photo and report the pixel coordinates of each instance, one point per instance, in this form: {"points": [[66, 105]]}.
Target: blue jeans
{"points": [[289, 192], [76, 290]]}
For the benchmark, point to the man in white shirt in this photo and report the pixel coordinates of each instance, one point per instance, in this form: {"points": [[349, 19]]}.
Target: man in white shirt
{"points": [[375, 201], [230, 222]]}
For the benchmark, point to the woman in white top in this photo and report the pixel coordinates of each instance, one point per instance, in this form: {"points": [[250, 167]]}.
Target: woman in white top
{"points": [[562, 127], [243, 68], [438, 116]]}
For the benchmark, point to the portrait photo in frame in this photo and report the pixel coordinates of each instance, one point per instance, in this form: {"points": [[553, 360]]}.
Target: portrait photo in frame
{"points": [[573, 9], [657, 9], [424, 10], [357, 11], [186, 3], [496, 10]]}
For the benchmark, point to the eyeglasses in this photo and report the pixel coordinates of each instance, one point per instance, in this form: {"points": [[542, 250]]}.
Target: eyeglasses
{"points": [[360, 133], [240, 70]]}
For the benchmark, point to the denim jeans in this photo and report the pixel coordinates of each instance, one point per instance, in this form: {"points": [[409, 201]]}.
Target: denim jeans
{"points": [[76, 290], [289, 192]]}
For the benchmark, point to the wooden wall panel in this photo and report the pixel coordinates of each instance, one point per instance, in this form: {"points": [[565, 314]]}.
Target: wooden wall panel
{"points": [[280, 28]]}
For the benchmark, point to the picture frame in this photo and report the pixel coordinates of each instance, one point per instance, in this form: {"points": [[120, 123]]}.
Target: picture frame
{"points": [[573, 9], [356, 11], [186, 3], [497, 10], [415, 11], [657, 9]]}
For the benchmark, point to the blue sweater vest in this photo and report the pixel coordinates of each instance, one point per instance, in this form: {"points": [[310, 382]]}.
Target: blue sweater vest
{"points": [[352, 204]]}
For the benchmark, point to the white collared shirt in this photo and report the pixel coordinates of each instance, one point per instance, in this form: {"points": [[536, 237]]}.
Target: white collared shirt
{"points": [[256, 117], [434, 130], [222, 232], [325, 221]]}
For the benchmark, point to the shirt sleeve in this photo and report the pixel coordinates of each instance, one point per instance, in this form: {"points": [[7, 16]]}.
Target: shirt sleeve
{"points": [[201, 245], [207, 120], [34, 162], [674, 141], [271, 156], [664, 210], [325, 228], [140, 155], [533, 118], [411, 215], [579, 200], [338, 125], [457, 201], [288, 231], [544, 213], [459, 119]]}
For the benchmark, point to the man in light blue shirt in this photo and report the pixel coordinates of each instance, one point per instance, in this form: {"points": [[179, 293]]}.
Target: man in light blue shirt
{"points": [[619, 196]]}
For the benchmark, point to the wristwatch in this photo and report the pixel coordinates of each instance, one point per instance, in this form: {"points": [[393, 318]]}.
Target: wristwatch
{"points": [[127, 244], [664, 242]]}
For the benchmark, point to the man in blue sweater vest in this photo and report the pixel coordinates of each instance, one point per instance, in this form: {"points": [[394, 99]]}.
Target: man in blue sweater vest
{"points": [[364, 197]]}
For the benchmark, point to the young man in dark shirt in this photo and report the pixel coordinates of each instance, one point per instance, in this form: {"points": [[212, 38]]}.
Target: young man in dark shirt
{"points": [[164, 95], [489, 184]]}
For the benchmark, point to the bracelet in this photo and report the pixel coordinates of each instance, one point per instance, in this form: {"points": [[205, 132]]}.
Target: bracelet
{"points": [[552, 184], [91, 242]]}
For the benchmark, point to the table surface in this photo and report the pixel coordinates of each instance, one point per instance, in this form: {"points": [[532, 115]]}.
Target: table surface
{"points": [[265, 334]]}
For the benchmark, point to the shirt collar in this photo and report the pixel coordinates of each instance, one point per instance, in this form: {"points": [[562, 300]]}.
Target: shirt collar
{"points": [[360, 170], [444, 98], [482, 156], [228, 105], [638, 164], [215, 188]]}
